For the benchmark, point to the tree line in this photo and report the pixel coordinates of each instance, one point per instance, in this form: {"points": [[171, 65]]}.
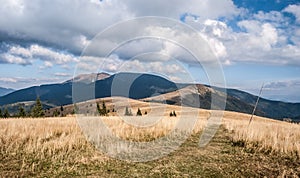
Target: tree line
{"points": [[36, 111]]}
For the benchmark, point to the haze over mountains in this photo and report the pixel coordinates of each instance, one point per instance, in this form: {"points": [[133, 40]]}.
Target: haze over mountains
{"points": [[150, 88]]}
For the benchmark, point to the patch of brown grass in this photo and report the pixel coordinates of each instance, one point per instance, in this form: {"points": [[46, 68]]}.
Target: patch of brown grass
{"points": [[265, 135]]}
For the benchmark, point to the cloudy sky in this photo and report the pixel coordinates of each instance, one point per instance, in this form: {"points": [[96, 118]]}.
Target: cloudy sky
{"points": [[256, 41]]}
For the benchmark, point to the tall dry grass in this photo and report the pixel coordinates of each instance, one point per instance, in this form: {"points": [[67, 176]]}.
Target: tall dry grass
{"points": [[56, 138], [265, 135], [58, 144]]}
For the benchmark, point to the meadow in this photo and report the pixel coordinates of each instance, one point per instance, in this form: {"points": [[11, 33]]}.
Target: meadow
{"points": [[58, 147]]}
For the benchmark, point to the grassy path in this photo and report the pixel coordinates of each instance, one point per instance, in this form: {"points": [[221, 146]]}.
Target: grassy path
{"points": [[221, 158]]}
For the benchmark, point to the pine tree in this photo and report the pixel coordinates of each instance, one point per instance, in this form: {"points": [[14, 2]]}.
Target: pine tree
{"points": [[56, 113], [171, 114], [139, 112], [37, 110], [22, 112], [174, 114], [102, 111], [6, 113], [98, 108], [61, 111], [128, 112], [76, 109]]}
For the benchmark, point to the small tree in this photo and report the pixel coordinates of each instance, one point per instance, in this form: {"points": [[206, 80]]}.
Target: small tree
{"points": [[76, 109], [139, 112], [6, 113], [56, 113], [145, 113], [102, 111], [174, 114], [61, 111], [37, 110], [128, 112], [1, 113], [22, 112]]}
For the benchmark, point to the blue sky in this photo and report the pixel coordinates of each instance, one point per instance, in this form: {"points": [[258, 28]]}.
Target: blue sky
{"points": [[256, 41]]}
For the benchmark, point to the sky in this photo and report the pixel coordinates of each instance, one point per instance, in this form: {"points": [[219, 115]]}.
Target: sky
{"points": [[255, 41]]}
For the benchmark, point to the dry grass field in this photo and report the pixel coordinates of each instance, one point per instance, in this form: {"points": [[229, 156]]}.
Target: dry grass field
{"points": [[57, 147]]}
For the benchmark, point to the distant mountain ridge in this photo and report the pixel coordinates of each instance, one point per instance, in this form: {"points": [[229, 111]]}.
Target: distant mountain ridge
{"points": [[149, 88], [5, 91]]}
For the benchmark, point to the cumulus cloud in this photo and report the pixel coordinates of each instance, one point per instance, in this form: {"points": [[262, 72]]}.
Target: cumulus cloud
{"points": [[25, 56], [21, 82], [70, 24], [12, 59], [295, 10], [56, 32]]}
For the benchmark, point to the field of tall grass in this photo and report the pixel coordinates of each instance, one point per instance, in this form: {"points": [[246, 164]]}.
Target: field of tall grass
{"points": [[265, 135], [29, 145]]}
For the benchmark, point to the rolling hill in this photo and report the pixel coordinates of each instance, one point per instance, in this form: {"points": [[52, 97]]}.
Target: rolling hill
{"points": [[150, 88]]}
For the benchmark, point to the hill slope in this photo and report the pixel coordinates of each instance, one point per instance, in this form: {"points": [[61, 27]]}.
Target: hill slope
{"points": [[150, 88]]}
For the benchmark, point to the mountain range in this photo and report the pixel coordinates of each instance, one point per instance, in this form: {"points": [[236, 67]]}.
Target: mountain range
{"points": [[5, 91], [149, 88]]}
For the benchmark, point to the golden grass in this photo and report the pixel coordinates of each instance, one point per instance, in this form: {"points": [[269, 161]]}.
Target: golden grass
{"points": [[58, 143], [264, 134]]}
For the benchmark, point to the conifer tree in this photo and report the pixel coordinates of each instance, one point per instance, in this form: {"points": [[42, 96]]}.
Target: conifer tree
{"points": [[37, 110], [22, 112], [6, 113], [128, 112], [139, 112]]}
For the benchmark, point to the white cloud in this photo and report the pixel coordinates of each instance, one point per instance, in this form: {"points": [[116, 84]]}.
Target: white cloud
{"points": [[59, 74], [11, 59], [8, 80], [25, 56], [71, 25], [295, 10]]}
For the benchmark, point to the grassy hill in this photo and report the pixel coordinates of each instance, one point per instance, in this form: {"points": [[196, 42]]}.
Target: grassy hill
{"points": [[145, 86]]}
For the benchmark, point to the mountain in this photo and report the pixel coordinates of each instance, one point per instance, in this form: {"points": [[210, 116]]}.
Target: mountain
{"points": [[273, 109], [143, 86], [89, 78], [5, 91], [150, 88], [186, 96]]}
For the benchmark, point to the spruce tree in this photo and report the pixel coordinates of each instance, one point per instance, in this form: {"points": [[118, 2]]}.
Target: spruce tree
{"points": [[128, 112], [61, 111], [102, 111], [6, 113], [22, 112], [139, 112], [37, 110], [174, 114]]}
